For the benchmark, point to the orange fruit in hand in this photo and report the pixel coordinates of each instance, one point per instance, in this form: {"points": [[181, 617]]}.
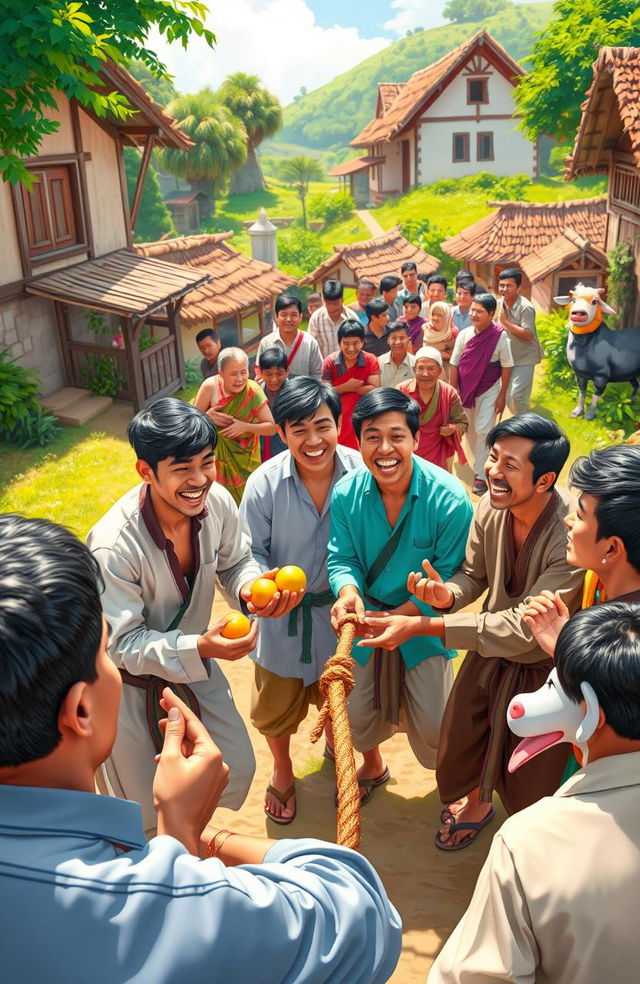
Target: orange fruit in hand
{"points": [[236, 626], [291, 578], [262, 591]]}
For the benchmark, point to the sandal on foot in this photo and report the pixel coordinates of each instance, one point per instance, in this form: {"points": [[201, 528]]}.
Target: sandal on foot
{"points": [[447, 814], [370, 784], [473, 828], [282, 798]]}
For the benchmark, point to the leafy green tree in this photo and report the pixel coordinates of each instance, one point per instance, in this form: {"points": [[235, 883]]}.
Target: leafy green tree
{"points": [[154, 218], [550, 96], [261, 113], [300, 171], [60, 46], [461, 11], [161, 89], [220, 143], [300, 251]]}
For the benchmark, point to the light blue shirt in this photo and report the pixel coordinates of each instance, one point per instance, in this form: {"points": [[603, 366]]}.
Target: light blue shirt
{"points": [[286, 529], [461, 319], [77, 907], [439, 516]]}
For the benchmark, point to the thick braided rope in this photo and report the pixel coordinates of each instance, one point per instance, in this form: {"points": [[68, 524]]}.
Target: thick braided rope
{"points": [[336, 683]]}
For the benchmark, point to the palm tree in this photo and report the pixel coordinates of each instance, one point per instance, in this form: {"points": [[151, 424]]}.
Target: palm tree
{"points": [[261, 113], [299, 171], [220, 142]]}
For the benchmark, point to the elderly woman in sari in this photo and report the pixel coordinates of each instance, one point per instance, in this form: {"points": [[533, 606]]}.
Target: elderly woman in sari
{"points": [[442, 419], [439, 332], [240, 411]]}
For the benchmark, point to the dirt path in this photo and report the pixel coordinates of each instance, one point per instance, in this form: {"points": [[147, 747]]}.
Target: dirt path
{"points": [[371, 223]]}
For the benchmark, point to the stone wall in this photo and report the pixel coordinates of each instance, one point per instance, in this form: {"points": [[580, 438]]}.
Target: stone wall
{"points": [[28, 330]]}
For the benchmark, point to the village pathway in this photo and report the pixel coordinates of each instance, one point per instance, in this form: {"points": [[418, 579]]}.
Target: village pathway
{"points": [[371, 222]]}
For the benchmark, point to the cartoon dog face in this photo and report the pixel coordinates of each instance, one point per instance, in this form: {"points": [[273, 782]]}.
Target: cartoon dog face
{"points": [[547, 716]]}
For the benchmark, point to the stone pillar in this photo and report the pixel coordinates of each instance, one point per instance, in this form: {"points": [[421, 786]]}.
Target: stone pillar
{"points": [[264, 245]]}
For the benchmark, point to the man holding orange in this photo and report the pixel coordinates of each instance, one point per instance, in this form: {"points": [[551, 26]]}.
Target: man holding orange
{"points": [[286, 507]]}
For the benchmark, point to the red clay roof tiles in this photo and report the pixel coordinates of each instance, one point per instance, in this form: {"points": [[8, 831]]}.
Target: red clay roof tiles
{"points": [[374, 258]]}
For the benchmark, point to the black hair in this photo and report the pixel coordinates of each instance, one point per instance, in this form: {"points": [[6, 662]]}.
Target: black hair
{"points": [[469, 285], [412, 299], [397, 326], [50, 631], [376, 307], [512, 273], [612, 476], [601, 646], [170, 428], [437, 278], [464, 275], [301, 397], [385, 399], [488, 302], [350, 329], [423, 278], [367, 283], [207, 333], [273, 358], [550, 445], [287, 300], [332, 290], [407, 266], [389, 282]]}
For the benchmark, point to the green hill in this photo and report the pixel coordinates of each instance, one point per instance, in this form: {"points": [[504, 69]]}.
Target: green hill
{"points": [[336, 112]]}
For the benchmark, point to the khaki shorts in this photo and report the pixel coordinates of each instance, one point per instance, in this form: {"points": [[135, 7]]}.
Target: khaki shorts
{"points": [[280, 704]]}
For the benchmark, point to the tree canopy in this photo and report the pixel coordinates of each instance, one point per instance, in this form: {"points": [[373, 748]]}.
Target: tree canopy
{"points": [[161, 89], [300, 171], [220, 142], [61, 45], [261, 114], [461, 11], [550, 96]]}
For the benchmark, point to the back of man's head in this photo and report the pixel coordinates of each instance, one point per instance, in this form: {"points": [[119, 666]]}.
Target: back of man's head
{"points": [[50, 631], [601, 646], [332, 290]]}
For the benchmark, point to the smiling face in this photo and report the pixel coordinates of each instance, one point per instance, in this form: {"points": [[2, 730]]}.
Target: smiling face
{"points": [[509, 473], [181, 485], [364, 294], [398, 343], [584, 549], [234, 375], [464, 298], [312, 441], [437, 319], [387, 446], [411, 311], [351, 348], [275, 378], [436, 292], [426, 371], [288, 319]]}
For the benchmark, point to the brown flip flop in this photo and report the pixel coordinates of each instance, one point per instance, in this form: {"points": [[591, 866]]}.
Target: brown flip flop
{"points": [[473, 828], [282, 798], [370, 784]]}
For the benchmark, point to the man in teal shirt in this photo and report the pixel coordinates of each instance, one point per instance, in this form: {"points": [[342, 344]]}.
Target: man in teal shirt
{"points": [[386, 518]]}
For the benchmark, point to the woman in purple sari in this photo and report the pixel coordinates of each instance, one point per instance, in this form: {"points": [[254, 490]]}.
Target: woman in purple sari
{"points": [[480, 369]]}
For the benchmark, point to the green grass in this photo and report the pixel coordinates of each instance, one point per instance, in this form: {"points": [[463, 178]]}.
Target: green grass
{"points": [[278, 199], [452, 213], [350, 230]]}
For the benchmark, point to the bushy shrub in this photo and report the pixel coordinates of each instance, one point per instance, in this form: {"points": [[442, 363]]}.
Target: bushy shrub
{"points": [[101, 375], [422, 233], [299, 251], [513, 187], [192, 373], [18, 391], [35, 429], [331, 206]]}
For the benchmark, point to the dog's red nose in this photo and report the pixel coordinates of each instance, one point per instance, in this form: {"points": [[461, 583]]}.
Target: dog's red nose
{"points": [[516, 710]]}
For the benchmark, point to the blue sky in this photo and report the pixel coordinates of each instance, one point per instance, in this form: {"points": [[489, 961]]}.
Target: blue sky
{"points": [[293, 43]]}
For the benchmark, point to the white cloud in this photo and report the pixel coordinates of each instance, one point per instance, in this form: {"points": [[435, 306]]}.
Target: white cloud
{"points": [[277, 40], [410, 14]]}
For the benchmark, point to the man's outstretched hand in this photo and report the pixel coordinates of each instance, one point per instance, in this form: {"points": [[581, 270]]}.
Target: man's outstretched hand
{"points": [[429, 589], [545, 615], [190, 776]]}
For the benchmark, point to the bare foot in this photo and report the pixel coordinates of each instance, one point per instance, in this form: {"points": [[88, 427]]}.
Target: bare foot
{"points": [[281, 779]]}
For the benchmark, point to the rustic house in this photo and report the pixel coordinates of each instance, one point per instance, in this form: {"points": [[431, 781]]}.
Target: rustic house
{"points": [[608, 142], [188, 209], [453, 118], [371, 259], [555, 245], [66, 252], [236, 301]]}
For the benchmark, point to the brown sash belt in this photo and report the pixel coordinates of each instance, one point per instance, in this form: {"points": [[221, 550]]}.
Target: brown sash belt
{"points": [[153, 687]]}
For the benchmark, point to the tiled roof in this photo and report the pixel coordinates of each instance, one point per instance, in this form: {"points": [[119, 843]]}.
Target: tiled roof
{"points": [[616, 73], [518, 229], [148, 114], [387, 92], [422, 84], [559, 253], [374, 258], [352, 167], [183, 197], [237, 283]]}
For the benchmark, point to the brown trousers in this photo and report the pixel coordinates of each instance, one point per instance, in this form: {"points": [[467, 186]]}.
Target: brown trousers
{"points": [[476, 742]]}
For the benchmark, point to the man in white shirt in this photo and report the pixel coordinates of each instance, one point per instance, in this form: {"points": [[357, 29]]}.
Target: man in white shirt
{"points": [[557, 899], [324, 323], [300, 348], [517, 316], [83, 897], [396, 365]]}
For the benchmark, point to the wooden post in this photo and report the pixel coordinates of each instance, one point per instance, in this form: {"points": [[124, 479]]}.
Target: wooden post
{"points": [[144, 166], [130, 334], [62, 324], [173, 315]]}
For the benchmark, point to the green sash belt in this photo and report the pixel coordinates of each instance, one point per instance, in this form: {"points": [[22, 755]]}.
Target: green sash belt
{"points": [[309, 601]]}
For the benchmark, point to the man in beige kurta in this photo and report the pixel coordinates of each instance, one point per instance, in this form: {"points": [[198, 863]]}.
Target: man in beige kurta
{"points": [[503, 657], [557, 899]]}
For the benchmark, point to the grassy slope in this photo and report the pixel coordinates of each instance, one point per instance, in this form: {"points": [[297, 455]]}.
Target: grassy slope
{"points": [[278, 199], [336, 112]]}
